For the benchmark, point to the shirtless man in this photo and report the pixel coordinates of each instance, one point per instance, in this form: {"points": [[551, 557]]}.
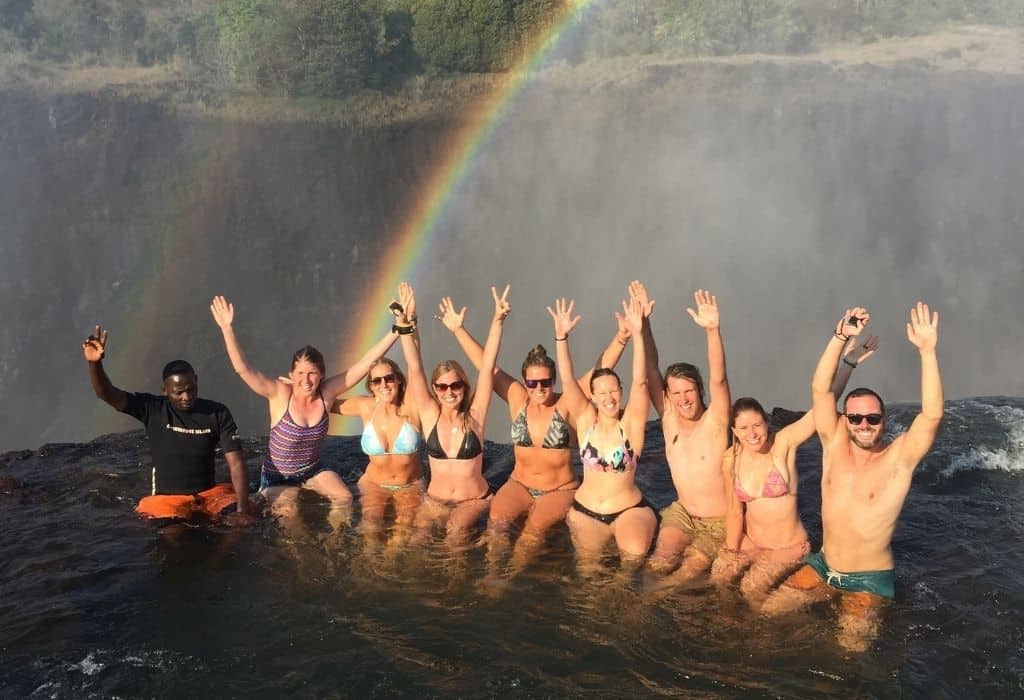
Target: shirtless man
{"points": [[696, 435], [864, 482], [184, 432]]}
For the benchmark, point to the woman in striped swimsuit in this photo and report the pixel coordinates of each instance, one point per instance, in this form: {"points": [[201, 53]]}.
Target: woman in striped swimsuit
{"points": [[298, 421]]}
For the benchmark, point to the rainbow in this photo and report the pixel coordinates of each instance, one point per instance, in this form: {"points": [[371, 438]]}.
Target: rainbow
{"points": [[420, 223]]}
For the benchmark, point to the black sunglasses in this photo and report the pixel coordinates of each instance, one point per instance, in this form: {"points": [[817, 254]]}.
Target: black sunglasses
{"points": [[871, 418], [385, 378], [534, 383], [457, 385]]}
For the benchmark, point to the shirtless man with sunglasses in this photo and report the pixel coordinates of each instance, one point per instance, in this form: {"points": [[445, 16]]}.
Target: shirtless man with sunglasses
{"points": [[864, 483]]}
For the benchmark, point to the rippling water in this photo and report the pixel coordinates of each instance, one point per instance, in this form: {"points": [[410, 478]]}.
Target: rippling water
{"points": [[94, 604]]}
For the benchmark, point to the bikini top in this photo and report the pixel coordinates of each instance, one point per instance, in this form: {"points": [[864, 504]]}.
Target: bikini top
{"points": [[619, 460], [406, 442], [557, 437], [293, 447], [774, 487], [469, 448]]}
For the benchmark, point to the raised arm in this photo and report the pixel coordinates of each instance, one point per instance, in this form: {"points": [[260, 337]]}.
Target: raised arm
{"points": [[224, 314], [418, 391], [337, 385], [482, 397], [798, 432], [655, 383], [923, 333], [453, 321], [565, 322], [707, 317], [609, 357], [95, 348], [639, 405], [823, 403]]}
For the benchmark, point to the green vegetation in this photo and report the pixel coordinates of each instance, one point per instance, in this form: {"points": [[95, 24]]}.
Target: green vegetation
{"points": [[337, 48]]}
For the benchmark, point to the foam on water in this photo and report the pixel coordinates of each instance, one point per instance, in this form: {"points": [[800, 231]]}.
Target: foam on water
{"points": [[1007, 456]]}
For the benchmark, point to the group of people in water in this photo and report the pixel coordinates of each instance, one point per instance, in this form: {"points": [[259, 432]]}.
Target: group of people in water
{"points": [[735, 519]]}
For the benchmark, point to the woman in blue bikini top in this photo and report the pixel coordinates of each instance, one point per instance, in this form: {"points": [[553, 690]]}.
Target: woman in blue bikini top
{"points": [[390, 440], [608, 503]]}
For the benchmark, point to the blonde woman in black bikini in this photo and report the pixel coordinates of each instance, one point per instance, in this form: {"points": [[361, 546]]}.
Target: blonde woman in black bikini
{"points": [[765, 540], [453, 419], [542, 483], [608, 504], [390, 440]]}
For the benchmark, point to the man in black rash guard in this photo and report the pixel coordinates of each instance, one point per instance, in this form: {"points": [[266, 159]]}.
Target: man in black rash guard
{"points": [[184, 432]]}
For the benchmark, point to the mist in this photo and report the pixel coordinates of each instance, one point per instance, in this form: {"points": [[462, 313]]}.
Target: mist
{"points": [[792, 189]]}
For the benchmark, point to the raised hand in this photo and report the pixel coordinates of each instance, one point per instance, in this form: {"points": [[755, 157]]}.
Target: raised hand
{"points": [[638, 291], [706, 316], [923, 329], [853, 322], [632, 316], [857, 353], [501, 306], [407, 298], [223, 311], [95, 346], [451, 318], [562, 316]]}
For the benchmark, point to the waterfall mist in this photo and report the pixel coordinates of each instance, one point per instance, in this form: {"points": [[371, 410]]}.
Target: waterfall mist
{"points": [[791, 189]]}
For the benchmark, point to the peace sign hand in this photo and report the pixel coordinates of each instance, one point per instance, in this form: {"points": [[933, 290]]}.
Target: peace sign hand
{"points": [[95, 346], [501, 306]]}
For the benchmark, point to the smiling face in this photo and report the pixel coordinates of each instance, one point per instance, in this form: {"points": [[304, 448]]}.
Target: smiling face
{"points": [[450, 389], [751, 430], [684, 396], [606, 393], [862, 434], [306, 377], [182, 390], [539, 376], [385, 381]]}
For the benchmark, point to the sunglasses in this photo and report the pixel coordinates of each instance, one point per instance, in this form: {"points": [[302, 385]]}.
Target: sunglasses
{"points": [[383, 379], [534, 383], [871, 418], [457, 385]]}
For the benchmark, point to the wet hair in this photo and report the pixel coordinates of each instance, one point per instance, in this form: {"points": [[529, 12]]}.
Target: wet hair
{"points": [[745, 403], [538, 357], [311, 355], [603, 372], [684, 370], [453, 366], [177, 367], [864, 391], [400, 376]]}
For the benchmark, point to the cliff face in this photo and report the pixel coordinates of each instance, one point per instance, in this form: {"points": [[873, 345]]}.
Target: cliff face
{"points": [[790, 190]]}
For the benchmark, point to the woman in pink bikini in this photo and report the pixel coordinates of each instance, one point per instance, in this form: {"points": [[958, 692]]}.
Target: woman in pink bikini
{"points": [[298, 422], [765, 540]]}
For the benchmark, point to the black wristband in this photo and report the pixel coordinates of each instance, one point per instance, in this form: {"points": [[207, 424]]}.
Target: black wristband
{"points": [[564, 337], [842, 337], [851, 364], [404, 330]]}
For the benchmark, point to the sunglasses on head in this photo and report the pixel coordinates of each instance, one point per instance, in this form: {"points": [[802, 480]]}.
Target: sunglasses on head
{"points": [[384, 378], [534, 383], [457, 385], [871, 418]]}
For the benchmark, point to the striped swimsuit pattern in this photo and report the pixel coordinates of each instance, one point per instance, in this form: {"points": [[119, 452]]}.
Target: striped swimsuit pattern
{"points": [[294, 450]]}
